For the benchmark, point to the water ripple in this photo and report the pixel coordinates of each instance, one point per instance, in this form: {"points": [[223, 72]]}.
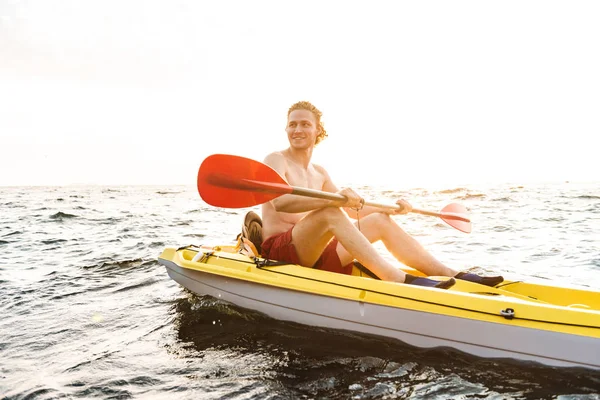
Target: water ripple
{"points": [[88, 312]]}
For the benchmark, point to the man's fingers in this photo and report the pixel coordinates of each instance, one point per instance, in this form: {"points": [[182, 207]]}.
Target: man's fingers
{"points": [[405, 207]]}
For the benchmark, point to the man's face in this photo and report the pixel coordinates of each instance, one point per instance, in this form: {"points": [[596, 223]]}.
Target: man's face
{"points": [[302, 129]]}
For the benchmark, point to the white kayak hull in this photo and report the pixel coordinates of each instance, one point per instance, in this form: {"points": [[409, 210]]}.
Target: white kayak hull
{"points": [[416, 328]]}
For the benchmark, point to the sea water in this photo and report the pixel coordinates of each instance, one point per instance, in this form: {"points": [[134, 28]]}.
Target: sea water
{"points": [[87, 311]]}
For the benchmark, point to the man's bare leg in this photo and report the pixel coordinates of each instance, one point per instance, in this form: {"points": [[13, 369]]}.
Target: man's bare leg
{"points": [[402, 246], [311, 235], [407, 250]]}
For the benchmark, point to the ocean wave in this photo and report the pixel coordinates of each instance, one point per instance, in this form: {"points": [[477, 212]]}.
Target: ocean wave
{"points": [[105, 221], [555, 218], [37, 392], [105, 266], [195, 211], [390, 193], [451, 191], [68, 294], [131, 286], [53, 241], [195, 235], [61, 215], [471, 196], [13, 233]]}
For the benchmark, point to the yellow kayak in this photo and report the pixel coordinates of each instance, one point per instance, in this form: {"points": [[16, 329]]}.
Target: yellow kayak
{"points": [[548, 324]]}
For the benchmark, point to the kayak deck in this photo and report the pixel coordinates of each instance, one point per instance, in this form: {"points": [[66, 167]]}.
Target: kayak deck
{"points": [[560, 305], [556, 295], [531, 292]]}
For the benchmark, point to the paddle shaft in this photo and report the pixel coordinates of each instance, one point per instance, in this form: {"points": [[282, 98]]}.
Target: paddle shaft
{"points": [[335, 196], [250, 184]]}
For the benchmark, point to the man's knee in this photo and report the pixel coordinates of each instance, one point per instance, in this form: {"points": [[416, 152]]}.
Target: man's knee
{"points": [[331, 215], [380, 218]]}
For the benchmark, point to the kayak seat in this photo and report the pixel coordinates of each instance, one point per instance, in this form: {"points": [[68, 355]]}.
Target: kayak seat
{"points": [[250, 239]]}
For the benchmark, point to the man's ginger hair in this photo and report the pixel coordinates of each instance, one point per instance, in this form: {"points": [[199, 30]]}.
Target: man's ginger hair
{"points": [[306, 105]]}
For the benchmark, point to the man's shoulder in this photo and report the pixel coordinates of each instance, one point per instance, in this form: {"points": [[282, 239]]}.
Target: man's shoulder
{"points": [[277, 161], [276, 155], [276, 158], [319, 168]]}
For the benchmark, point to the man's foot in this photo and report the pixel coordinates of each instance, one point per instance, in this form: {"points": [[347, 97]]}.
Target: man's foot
{"points": [[448, 283], [415, 280], [484, 280]]}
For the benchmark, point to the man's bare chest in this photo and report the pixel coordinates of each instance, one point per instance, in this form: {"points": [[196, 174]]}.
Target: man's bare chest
{"points": [[305, 178]]}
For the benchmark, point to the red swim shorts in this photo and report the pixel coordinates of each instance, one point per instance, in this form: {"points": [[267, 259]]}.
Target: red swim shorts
{"points": [[279, 247]]}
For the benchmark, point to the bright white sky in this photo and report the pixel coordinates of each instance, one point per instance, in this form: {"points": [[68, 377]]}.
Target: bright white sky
{"points": [[413, 93]]}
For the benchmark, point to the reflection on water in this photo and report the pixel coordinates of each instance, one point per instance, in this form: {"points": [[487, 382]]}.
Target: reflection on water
{"points": [[297, 360]]}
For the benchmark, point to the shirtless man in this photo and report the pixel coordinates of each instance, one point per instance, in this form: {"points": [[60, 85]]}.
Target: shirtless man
{"points": [[318, 233]]}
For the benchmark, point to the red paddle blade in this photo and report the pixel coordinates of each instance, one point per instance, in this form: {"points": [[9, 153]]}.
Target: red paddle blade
{"points": [[235, 182], [455, 215]]}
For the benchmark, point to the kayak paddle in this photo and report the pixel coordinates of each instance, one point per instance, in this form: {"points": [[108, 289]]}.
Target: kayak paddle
{"points": [[236, 182]]}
